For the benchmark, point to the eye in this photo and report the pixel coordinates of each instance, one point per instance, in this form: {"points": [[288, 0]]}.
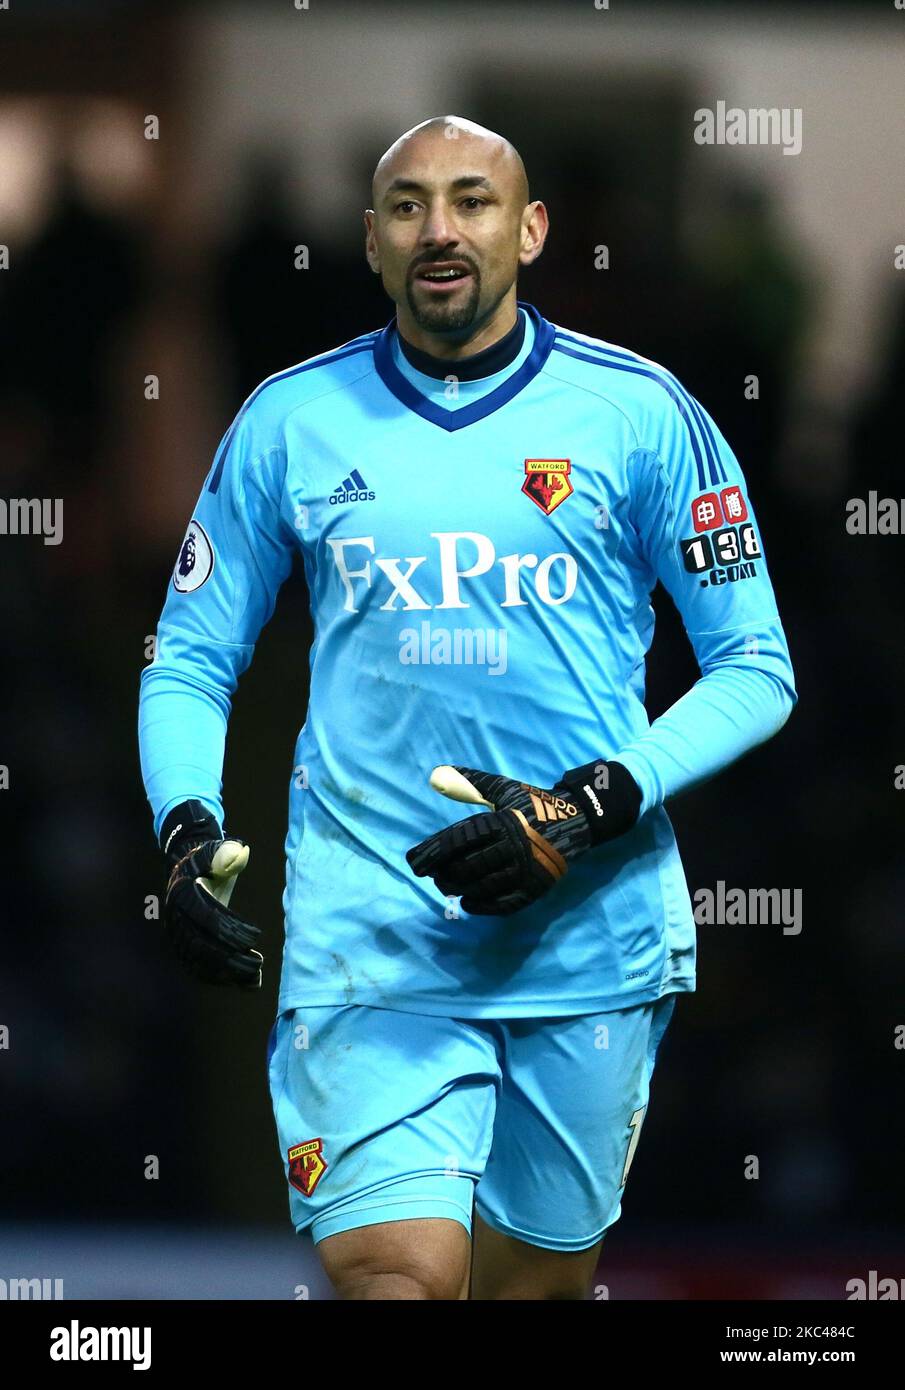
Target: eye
{"points": [[475, 201], [404, 206]]}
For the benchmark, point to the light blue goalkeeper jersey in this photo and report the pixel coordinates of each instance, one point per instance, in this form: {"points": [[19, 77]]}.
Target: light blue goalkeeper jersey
{"points": [[480, 563]]}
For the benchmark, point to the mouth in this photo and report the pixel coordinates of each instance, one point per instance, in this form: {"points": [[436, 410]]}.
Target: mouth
{"points": [[439, 277]]}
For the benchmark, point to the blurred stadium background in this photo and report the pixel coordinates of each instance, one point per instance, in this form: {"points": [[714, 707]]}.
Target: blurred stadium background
{"points": [[172, 257]]}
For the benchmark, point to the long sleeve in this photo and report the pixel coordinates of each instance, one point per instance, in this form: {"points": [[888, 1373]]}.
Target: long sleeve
{"points": [[697, 532], [237, 552]]}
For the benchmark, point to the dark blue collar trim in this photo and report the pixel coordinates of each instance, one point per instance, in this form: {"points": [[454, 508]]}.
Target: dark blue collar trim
{"points": [[422, 405], [481, 364]]}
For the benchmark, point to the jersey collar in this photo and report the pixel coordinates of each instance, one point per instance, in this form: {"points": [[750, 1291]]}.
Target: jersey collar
{"points": [[422, 405], [488, 362]]}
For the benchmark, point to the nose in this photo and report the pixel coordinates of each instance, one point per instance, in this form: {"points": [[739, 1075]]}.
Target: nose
{"points": [[438, 229]]}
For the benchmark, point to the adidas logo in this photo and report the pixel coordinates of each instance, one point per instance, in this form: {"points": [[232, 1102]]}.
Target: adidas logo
{"points": [[549, 808], [351, 489]]}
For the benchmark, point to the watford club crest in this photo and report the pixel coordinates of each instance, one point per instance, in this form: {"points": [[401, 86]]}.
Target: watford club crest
{"points": [[306, 1166], [547, 482]]}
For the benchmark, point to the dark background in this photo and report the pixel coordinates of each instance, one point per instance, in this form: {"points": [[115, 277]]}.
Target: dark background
{"points": [[173, 257]]}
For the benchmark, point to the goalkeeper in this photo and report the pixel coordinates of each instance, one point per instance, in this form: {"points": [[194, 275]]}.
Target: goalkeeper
{"points": [[483, 503]]}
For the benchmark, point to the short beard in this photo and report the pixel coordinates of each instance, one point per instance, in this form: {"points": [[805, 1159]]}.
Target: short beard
{"points": [[441, 317]]}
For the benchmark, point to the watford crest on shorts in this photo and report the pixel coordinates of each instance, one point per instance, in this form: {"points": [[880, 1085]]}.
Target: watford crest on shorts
{"points": [[306, 1166], [547, 482]]}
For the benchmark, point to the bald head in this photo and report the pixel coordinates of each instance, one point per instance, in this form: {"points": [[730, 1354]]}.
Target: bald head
{"points": [[493, 149]]}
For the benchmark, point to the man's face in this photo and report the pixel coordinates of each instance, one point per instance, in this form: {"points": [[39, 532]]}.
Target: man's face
{"points": [[448, 230]]}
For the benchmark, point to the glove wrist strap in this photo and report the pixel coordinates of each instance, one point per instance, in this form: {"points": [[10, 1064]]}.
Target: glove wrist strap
{"points": [[609, 796], [189, 824]]}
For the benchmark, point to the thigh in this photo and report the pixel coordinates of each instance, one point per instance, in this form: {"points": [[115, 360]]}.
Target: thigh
{"points": [[573, 1098], [504, 1267], [410, 1259], [382, 1116]]}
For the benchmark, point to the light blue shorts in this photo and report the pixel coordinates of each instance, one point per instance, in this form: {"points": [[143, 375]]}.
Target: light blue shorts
{"points": [[384, 1116]]}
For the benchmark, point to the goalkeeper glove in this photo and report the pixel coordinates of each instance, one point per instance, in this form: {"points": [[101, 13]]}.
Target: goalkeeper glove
{"points": [[212, 942], [502, 861]]}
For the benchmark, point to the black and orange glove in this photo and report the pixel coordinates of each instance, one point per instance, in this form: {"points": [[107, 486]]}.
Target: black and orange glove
{"points": [[501, 861]]}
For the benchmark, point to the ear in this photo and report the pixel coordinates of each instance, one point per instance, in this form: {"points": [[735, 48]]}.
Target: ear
{"points": [[371, 252], [535, 225]]}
